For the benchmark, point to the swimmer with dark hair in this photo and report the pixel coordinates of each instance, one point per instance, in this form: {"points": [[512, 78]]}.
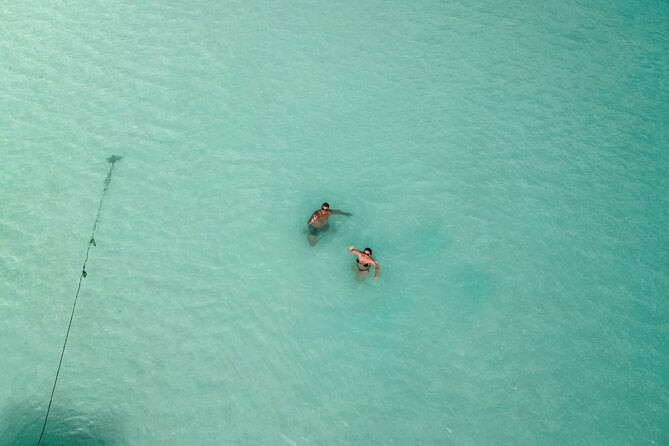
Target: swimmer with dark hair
{"points": [[318, 222], [364, 262]]}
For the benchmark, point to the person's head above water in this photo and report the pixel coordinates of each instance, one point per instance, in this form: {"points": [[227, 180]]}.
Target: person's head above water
{"points": [[325, 206], [367, 251]]}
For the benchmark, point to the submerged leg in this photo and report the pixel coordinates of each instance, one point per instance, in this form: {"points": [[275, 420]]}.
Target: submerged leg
{"points": [[359, 275], [316, 233]]}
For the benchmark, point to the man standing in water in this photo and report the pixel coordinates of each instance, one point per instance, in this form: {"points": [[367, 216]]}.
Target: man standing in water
{"points": [[318, 222], [364, 262]]}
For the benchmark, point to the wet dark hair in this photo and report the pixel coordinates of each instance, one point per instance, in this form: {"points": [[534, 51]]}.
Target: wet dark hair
{"points": [[326, 204], [368, 249]]}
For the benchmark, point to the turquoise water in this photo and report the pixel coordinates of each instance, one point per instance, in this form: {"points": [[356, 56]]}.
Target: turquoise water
{"points": [[507, 162]]}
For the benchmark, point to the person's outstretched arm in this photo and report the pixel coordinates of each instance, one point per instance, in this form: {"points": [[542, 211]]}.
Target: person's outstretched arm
{"points": [[376, 269], [337, 211]]}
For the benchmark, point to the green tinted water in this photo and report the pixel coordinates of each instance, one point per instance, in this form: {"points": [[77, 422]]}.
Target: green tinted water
{"points": [[507, 163]]}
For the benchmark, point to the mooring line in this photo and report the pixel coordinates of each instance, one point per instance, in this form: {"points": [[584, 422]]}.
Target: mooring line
{"points": [[91, 242]]}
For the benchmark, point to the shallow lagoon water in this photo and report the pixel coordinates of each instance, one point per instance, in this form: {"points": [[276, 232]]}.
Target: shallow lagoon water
{"points": [[507, 163]]}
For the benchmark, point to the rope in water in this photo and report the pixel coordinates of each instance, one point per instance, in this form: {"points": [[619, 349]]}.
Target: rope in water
{"points": [[112, 159]]}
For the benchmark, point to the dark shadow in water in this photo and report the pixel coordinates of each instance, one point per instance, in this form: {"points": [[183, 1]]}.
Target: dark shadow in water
{"points": [[112, 159], [21, 424]]}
